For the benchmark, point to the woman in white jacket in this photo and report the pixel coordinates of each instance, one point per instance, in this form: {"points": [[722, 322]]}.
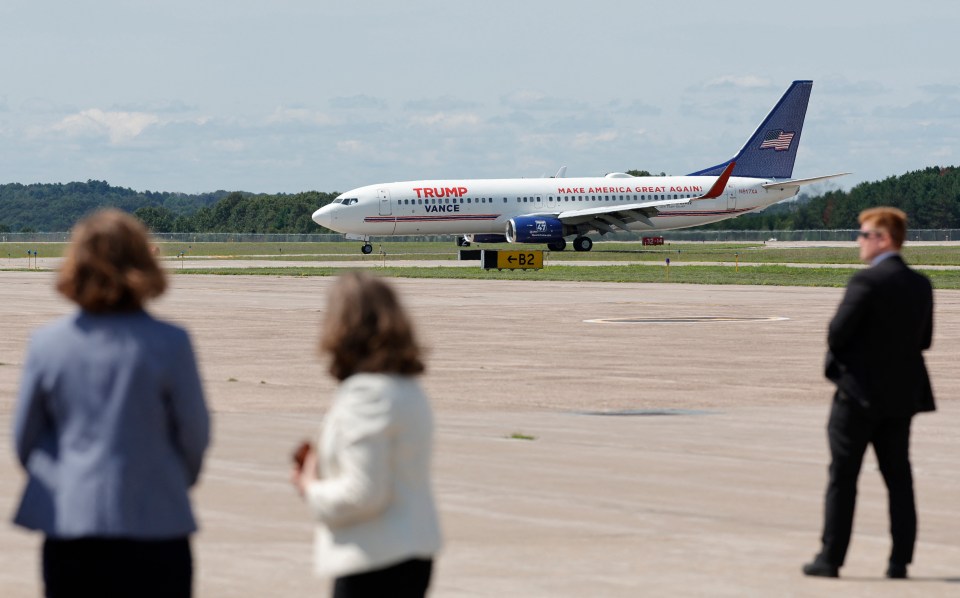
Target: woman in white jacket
{"points": [[368, 483]]}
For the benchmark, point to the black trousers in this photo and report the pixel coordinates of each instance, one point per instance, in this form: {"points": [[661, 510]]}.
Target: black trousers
{"points": [[850, 429], [117, 567], [409, 579]]}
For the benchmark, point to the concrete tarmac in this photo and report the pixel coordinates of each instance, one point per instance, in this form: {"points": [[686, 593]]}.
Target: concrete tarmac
{"points": [[574, 457]]}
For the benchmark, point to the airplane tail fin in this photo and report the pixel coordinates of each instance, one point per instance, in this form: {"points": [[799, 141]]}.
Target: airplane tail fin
{"points": [[772, 150]]}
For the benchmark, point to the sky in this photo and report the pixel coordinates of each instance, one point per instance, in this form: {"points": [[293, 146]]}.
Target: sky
{"points": [[284, 96]]}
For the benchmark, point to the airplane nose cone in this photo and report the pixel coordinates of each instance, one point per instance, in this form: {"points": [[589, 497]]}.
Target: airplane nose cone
{"points": [[323, 217]]}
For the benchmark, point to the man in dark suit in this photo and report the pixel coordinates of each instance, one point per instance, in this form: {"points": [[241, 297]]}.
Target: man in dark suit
{"points": [[876, 342]]}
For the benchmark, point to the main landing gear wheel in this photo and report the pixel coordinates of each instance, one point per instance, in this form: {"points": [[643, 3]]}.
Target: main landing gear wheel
{"points": [[367, 249], [558, 245], [582, 244]]}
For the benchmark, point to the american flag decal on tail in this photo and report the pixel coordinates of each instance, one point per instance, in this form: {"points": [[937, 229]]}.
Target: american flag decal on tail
{"points": [[777, 139]]}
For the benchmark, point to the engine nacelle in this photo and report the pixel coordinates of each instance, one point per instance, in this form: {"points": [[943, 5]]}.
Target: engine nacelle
{"points": [[485, 238], [534, 229]]}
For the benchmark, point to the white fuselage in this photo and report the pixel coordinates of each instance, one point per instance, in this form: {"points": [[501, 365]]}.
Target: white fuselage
{"points": [[484, 206]]}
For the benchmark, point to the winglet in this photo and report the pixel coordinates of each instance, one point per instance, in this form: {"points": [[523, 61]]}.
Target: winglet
{"points": [[717, 189]]}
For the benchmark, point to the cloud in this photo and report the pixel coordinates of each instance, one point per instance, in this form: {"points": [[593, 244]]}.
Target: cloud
{"points": [[940, 108], [352, 146], [119, 127], [739, 82], [439, 104], [285, 115], [635, 107], [230, 145], [157, 106], [535, 100], [584, 140], [357, 102], [942, 89], [842, 85], [447, 121]]}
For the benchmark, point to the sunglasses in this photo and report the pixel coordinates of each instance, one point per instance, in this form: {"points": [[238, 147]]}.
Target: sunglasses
{"points": [[868, 234]]}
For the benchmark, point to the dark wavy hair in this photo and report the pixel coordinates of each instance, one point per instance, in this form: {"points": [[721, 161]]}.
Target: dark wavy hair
{"points": [[109, 266], [367, 330]]}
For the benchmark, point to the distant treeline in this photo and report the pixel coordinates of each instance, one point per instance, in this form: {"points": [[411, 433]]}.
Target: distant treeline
{"points": [[930, 197], [56, 207]]}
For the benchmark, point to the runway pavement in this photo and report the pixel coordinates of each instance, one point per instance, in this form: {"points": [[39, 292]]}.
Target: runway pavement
{"points": [[664, 458]]}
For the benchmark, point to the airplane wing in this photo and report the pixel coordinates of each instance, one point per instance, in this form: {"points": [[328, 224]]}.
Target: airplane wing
{"points": [[800, 182], [604, 219]]}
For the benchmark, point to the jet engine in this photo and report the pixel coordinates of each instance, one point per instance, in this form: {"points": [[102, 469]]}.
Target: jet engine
{"points": [[534, 229]]}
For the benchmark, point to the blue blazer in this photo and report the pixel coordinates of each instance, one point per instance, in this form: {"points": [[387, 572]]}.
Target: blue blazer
{"points": [[111, 426]]}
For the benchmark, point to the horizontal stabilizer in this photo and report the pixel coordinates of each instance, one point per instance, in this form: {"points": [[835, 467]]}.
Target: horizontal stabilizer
{"points": [[801, 182]]}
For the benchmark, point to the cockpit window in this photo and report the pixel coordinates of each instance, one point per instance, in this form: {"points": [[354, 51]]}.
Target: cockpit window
{"points": [[347, 201]]}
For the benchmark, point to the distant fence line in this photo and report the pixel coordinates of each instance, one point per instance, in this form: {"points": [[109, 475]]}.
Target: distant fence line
{"points": [[947, 234]]}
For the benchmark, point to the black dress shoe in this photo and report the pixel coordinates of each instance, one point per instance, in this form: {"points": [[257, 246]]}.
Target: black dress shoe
{"points": [[896, 571], [820, 569]]}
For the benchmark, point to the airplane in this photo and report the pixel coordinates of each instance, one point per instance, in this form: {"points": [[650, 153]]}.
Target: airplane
{"points": [[548, 210]]}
